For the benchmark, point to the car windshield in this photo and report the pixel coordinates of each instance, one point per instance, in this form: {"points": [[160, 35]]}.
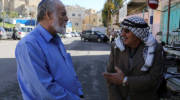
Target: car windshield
{"points": [[98, 32]]}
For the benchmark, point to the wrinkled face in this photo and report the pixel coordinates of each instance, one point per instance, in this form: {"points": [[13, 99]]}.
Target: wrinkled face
{"points": [[129, 38], [60, 19]]}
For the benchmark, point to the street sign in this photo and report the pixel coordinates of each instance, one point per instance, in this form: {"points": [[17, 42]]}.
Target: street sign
{"points": [[153, 4]]}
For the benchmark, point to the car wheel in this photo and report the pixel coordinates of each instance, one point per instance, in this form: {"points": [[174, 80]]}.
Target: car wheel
{"points": [[99, 39]]}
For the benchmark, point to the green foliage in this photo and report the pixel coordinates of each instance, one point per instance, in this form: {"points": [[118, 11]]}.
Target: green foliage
{"points": [[107, 10], [7, 25], [105, 15], [110, 7], [3, 14], [1, 19], [12, 14]]}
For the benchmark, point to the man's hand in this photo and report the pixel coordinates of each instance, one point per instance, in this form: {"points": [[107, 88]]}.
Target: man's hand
{"points": [[115, 78]]}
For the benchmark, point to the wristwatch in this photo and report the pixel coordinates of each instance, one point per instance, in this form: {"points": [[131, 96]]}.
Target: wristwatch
{"points": [[124, 83]]}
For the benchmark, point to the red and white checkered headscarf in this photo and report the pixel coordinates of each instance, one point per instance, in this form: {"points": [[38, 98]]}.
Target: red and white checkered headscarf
{"points": [[140, 29], [137, 26]]}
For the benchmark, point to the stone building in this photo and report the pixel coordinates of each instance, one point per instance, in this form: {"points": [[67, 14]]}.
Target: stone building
{"points": [[24, 8], [76, 15], [92, 19]]}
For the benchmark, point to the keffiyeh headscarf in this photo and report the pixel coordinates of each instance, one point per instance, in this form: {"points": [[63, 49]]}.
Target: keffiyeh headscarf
{"points": [[140, 29]]}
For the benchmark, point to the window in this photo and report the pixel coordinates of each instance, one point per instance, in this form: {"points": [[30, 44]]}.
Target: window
{"points": [[76, 24], [73, 14], [94, 20], [79, 15]]}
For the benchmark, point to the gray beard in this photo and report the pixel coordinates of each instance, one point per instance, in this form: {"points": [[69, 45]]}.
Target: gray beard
{"points": [[58, 28]]}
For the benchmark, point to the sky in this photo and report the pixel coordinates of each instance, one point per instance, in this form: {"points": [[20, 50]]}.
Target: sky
{"points": [[93, 4]]}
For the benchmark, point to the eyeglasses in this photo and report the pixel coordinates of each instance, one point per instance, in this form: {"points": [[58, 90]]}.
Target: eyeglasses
{"points": [[125, 30]]}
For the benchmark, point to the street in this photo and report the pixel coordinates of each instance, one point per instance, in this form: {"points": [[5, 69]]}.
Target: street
{"points": [[89, 59]]}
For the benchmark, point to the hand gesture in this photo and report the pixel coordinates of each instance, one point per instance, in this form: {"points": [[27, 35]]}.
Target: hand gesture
{"points": [[115, 78]]}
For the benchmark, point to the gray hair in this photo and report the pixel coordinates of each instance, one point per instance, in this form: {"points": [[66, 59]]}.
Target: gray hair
{"points": [[46, 6]]}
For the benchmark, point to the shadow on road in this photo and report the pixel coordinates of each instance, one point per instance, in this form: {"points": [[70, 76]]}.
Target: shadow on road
{"points": [[9, 89], [91, 46], [89, 70]]}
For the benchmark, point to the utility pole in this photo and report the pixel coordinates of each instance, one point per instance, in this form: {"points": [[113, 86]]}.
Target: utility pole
{"points": [[151, 20], [169, 11]]}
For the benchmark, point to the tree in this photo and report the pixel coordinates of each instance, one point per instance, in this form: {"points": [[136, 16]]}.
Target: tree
{"points": [[1, 19], [107, 12], [3, 14], [12, 14], [117, 5]]}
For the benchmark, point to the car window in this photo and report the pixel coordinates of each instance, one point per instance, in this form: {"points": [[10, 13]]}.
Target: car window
{"points": [[98, 32], [23, 29], [26, 29], [93, 33], [29, 29], [2, 29], [88, 32]]}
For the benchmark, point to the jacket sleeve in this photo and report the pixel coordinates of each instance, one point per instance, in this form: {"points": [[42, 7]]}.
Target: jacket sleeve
{"points": [[34, 71], [151, 78], [113, 90], [110, 66]]}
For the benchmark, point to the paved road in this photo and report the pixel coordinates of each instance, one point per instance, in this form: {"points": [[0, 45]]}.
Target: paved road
{"points": [[89, 59]]}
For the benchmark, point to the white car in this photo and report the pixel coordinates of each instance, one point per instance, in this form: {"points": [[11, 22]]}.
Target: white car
{"points": [[23, 31], [67, 35], [3, 34], [72, 34], [75, 34]]}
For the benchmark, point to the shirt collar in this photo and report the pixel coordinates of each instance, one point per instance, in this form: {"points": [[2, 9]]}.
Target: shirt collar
{"points": [[44, 33]]}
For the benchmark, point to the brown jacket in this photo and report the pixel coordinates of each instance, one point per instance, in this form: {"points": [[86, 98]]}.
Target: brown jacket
{"points": [[141, 85]]}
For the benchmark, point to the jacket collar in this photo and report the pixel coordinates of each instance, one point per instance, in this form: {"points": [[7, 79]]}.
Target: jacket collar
{"points": [[46, 35], [137, 60]]}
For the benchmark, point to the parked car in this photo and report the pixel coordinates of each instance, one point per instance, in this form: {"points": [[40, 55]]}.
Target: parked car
{"points": [[9, 32], [94, 36], [67, 35], [61, 35], [3, 34], [23, 31], [72, 34], [75, 34]]}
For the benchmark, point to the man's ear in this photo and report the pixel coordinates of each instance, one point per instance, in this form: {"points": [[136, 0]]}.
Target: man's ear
{"points": [[49, 15]]}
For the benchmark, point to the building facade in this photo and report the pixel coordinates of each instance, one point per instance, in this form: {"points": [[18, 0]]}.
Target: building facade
{"points": [[24, 8], [174, 22], [76, 15], [92, 19]]}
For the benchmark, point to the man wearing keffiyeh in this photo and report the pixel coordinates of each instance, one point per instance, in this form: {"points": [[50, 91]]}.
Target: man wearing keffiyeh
{"points": [[135, 67]]}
